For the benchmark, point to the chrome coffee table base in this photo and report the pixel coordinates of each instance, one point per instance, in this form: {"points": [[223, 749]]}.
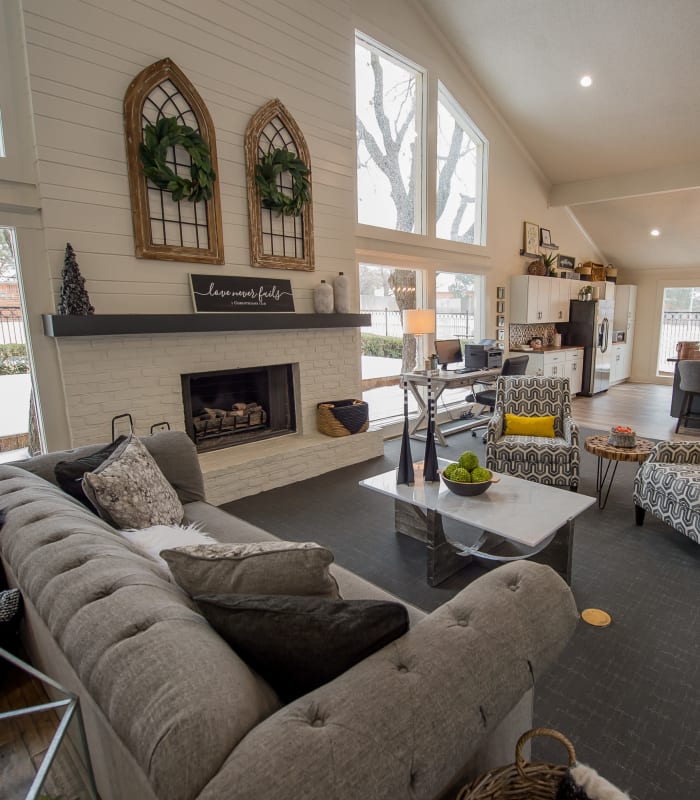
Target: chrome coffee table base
{"points": [[445, 557]]}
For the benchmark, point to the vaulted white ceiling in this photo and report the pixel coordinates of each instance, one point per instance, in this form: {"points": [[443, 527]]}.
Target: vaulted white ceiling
{"points": [[624, 154]]}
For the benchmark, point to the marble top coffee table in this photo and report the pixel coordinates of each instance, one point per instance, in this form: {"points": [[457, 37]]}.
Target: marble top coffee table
{"points": [[514, 519]]}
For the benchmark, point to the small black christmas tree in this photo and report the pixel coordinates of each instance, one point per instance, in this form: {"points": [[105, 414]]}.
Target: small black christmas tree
{"points": [[74, 297]]}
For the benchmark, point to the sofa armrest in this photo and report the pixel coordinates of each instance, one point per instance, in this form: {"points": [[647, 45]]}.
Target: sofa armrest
{"points": [[407, 720], [678, 452], [494, 429], [570, 431]]}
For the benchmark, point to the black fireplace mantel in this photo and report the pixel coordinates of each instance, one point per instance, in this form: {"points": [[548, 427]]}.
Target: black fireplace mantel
{"points": [[58, 325]]}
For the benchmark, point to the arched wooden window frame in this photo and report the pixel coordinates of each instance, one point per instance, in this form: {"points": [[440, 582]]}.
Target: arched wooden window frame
{"points": [[253, 150], [137, 93]]}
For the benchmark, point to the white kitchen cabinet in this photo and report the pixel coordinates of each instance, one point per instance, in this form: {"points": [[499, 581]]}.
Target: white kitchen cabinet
{"points": [[538, 298], [617, 363], [565, 363], [530, 298], [606, 289], [625, 305], [574, 369]]}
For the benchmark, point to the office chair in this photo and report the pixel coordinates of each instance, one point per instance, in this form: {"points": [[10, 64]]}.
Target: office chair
{"points": [[516, 365]]}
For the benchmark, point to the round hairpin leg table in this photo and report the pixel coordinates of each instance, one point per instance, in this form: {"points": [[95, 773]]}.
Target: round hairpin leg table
{"points": [[599, 446]]}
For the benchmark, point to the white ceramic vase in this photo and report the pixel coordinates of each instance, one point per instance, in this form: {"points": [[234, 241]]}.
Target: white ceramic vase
{"points": [[323, 298], [341, 294]]}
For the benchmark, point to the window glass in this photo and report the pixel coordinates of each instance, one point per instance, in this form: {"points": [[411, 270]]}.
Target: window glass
{"points": [[458, 306], [388, 98], [461, 174], [680, 322]]}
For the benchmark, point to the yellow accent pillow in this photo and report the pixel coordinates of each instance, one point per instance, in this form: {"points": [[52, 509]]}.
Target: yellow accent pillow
{"points": [[529, 426]]}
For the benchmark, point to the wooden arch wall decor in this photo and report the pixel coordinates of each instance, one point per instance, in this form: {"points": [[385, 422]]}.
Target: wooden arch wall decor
{"points": [[167, 229], [277, 241]]}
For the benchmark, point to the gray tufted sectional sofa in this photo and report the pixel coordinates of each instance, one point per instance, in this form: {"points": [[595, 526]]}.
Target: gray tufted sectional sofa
{"points": [[171, 712]]}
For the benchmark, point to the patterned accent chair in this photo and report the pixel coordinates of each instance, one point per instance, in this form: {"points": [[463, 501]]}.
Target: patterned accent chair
{"points": [[668, 485], [543, 460]]}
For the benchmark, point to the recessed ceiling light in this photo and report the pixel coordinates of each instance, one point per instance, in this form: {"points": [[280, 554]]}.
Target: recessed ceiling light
{"points": [[655, 232], [586, 81]]}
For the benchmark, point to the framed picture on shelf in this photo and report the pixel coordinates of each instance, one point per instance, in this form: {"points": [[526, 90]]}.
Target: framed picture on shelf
{"points": [[545, 236], [500, 307], [531, 239], [500, 321], [501, 293], [566, 262], [501, 334]]}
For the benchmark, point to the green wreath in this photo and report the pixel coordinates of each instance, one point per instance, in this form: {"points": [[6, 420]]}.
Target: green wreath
{"points": [[167, 133], [267, 172]]}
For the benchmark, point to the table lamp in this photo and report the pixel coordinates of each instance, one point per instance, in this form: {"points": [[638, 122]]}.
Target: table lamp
{"points": [[419, 322]]}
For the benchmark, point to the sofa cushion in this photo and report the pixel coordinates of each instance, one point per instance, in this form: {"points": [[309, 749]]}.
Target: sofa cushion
{"points": [[130, 491], [69, 474], [275, 567], [299, 643]]}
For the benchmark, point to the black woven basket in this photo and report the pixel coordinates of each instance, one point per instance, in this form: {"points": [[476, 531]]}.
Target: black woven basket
{"points": [[343, 417]]}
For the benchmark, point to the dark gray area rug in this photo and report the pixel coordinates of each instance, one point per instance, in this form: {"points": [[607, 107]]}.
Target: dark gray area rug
{"points": [[628, 696]]}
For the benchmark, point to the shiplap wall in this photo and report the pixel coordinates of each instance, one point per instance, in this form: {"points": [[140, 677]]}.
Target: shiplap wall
{"points": [[83, 54]]}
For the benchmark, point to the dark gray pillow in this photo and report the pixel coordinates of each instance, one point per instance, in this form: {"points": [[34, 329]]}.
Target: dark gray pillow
{"points": [[69, 474], [299, 643]]}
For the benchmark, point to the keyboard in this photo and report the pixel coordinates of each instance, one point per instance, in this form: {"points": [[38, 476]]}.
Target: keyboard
{"points": [[466, 371]]}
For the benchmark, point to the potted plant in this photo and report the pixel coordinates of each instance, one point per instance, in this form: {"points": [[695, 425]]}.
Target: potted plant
{"points": [[550, 264]]}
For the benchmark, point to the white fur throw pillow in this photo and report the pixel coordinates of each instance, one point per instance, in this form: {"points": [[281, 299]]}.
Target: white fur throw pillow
{"points": [[150, 541]]}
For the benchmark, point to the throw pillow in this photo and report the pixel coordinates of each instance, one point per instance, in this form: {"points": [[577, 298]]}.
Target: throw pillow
{"points": [[257, 568], [299, 643], [150, 541], [129, 490], [69, 474], [529, 426]]}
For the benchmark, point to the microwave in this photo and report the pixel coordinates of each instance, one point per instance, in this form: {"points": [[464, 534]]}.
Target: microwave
{"points": [[619, 336]]}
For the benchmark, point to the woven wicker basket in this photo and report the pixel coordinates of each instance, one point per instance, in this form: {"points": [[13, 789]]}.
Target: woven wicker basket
{"points": [[343, 417], [522, 780]]}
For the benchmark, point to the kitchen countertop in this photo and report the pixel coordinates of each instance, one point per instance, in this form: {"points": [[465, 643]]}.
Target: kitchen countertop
{"points": [[549, 349]]}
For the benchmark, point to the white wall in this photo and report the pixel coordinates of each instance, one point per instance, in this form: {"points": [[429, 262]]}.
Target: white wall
{"points": [[81, 57]]}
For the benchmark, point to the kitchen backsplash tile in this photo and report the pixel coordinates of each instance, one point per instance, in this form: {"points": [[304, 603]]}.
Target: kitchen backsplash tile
{"points": [[521, 334]]}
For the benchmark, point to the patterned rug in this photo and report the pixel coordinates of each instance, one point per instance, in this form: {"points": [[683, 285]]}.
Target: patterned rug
{"points": [[627, 695]]}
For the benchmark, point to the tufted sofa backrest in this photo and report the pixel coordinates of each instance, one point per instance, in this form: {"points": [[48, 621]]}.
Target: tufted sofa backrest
{"points": [[177, 696]]}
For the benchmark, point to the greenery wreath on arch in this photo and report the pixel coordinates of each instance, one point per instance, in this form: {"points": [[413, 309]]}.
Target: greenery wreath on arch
{"points": [[167, 133], [268, 170]]}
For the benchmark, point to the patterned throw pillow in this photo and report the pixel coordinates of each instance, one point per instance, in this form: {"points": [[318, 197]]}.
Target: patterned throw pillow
{"points": [[129, 490], [288, 568]]}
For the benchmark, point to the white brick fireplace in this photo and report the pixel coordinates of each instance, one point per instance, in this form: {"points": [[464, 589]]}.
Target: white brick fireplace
{"points": [[104, 376]]}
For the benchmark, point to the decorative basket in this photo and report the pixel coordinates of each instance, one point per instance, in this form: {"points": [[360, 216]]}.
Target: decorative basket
{"points": [[522, 780], [617, 439], [537, 267], [343, 417]]}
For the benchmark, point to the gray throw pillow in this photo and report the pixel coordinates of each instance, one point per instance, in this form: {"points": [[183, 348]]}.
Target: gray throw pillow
{"points": [[129, 490], [290, 568], [299, 643]]}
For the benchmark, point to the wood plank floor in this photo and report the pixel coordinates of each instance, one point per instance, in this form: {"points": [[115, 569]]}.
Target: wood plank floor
{"points": [[644, 407]]}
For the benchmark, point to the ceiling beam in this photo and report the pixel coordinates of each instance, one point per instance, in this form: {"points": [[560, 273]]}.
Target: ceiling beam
{"points": [[629, 184]]}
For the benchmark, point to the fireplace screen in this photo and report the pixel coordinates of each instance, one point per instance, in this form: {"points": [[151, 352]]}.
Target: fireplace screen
{"points": [[231, 407]]}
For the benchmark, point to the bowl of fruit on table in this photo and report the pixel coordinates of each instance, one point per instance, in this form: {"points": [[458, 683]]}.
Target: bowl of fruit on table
{"points": [[465, 477]]}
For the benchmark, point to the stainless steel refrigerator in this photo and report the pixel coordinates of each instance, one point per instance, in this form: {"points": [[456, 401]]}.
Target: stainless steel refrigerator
{"points": [[589, 325]]}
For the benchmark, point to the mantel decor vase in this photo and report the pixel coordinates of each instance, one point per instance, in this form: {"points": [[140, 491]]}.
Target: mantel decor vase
{"points": [[404, 471], [341, 294], [323, 298]]}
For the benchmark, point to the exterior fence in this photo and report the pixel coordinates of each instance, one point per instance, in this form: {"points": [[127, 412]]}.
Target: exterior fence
{"points": [[676, 326], [388, 323], [11, 327]]}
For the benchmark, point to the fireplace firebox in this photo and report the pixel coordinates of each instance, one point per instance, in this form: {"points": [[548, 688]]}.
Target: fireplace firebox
{"points": [[230, 407]]}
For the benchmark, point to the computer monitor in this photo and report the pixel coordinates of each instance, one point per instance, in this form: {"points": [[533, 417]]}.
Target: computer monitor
{"points": [[449, 351]]}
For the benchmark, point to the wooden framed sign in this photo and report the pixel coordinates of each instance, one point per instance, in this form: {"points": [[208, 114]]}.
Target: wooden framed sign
{"points": [[230, 293]]}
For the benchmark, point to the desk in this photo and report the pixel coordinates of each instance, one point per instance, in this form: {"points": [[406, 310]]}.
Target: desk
{"points": [[441, 381]]}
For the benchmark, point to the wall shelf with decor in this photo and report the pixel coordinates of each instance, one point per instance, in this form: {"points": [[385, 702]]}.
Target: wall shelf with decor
{"points": [[57, 325]]}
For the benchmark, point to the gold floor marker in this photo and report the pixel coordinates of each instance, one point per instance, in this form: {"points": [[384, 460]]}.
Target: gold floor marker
{"points": [[594, 616]]}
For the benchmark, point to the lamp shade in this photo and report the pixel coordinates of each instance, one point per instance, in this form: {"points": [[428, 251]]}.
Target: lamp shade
{"points": [[419, 320]]}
